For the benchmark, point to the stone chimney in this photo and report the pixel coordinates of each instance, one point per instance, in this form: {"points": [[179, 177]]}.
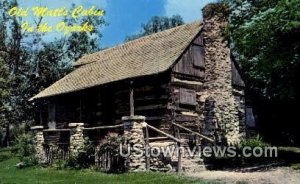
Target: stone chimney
{"points": [[221, 109]]}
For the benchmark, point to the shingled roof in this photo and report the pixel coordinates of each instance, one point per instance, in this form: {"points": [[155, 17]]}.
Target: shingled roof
{"points": [[148, 55]]}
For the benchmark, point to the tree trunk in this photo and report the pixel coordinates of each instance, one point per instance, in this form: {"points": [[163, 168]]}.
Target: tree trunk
{"points": [[7, 136]]}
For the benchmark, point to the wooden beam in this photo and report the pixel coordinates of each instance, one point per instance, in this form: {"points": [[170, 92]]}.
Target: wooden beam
{"points": [[164, 133], [56, 130], [196, 133], [103, 127], [187, 76], [153, 118], [143, 108], [185, 118], [179, 166], [143, 98], [157, 138], [152, 97], [151, 107], [131, 103], [187, 82]]}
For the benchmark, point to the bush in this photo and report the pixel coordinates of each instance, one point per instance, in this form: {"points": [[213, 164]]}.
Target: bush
{"points": [[110, 148], [84, 158], [26, 150], [111, 143], [60, 164], [253, 142], [239, 160]]}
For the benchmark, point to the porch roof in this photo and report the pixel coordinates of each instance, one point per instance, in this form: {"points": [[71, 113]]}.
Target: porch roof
{"points": [[148, 55]]}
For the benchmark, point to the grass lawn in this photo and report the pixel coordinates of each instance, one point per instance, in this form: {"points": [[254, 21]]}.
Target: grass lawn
{"points": [[10, 174]]}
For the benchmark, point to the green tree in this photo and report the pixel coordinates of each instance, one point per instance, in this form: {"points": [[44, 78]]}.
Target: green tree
{"points": [[34, 64], [4, 94], [265, 39], [157, 24], [4, 82]]}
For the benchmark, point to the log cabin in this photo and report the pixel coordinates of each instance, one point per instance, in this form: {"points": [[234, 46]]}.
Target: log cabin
{"points": [[184, 75]]}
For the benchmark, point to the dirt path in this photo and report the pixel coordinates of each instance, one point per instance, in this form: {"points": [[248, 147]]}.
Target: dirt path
{"points": [[280, 175]]}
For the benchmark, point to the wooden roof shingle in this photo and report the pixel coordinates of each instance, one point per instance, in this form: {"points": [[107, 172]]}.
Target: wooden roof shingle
{"points": [[148, 55]]}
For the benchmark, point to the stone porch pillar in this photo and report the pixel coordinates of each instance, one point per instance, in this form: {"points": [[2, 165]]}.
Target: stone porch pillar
{"points": [[134, 137], [76, 137], [39, 143]]}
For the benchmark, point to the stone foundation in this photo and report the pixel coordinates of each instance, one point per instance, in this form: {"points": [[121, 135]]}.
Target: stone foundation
{"points": [[39, 143], [76, 138], [134, 136]]}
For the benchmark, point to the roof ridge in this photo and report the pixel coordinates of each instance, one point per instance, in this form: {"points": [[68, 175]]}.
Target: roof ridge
{"points": [[133, 41]]}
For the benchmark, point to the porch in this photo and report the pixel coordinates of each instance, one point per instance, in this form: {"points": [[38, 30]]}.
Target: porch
{"points": [[143, 154]]}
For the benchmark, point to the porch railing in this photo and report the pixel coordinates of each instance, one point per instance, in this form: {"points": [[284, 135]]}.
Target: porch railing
{"points": [[106, 162], [178, 141]]}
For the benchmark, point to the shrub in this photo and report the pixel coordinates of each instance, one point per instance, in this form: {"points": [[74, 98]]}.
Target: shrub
{"points": [[239, 160], [111, 143], [84, 158], [60, 164], [110, 148], [26, 150], [253, 142]]}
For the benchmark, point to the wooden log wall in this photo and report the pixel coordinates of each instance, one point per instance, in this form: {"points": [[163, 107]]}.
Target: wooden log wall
{"points": [[162, 98], [191, 65], [186, 83], [151, 96]]}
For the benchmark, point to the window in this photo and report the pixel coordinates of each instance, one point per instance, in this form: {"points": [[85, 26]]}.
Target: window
{"points": [[187, 97]]}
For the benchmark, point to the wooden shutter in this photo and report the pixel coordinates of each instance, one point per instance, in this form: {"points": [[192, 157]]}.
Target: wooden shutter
{"points": [[187, 97], [198, 56]]}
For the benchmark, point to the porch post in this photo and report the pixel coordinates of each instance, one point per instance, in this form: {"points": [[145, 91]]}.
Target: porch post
{"points": [[76, 137], [39, 143], [134, 138]]}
